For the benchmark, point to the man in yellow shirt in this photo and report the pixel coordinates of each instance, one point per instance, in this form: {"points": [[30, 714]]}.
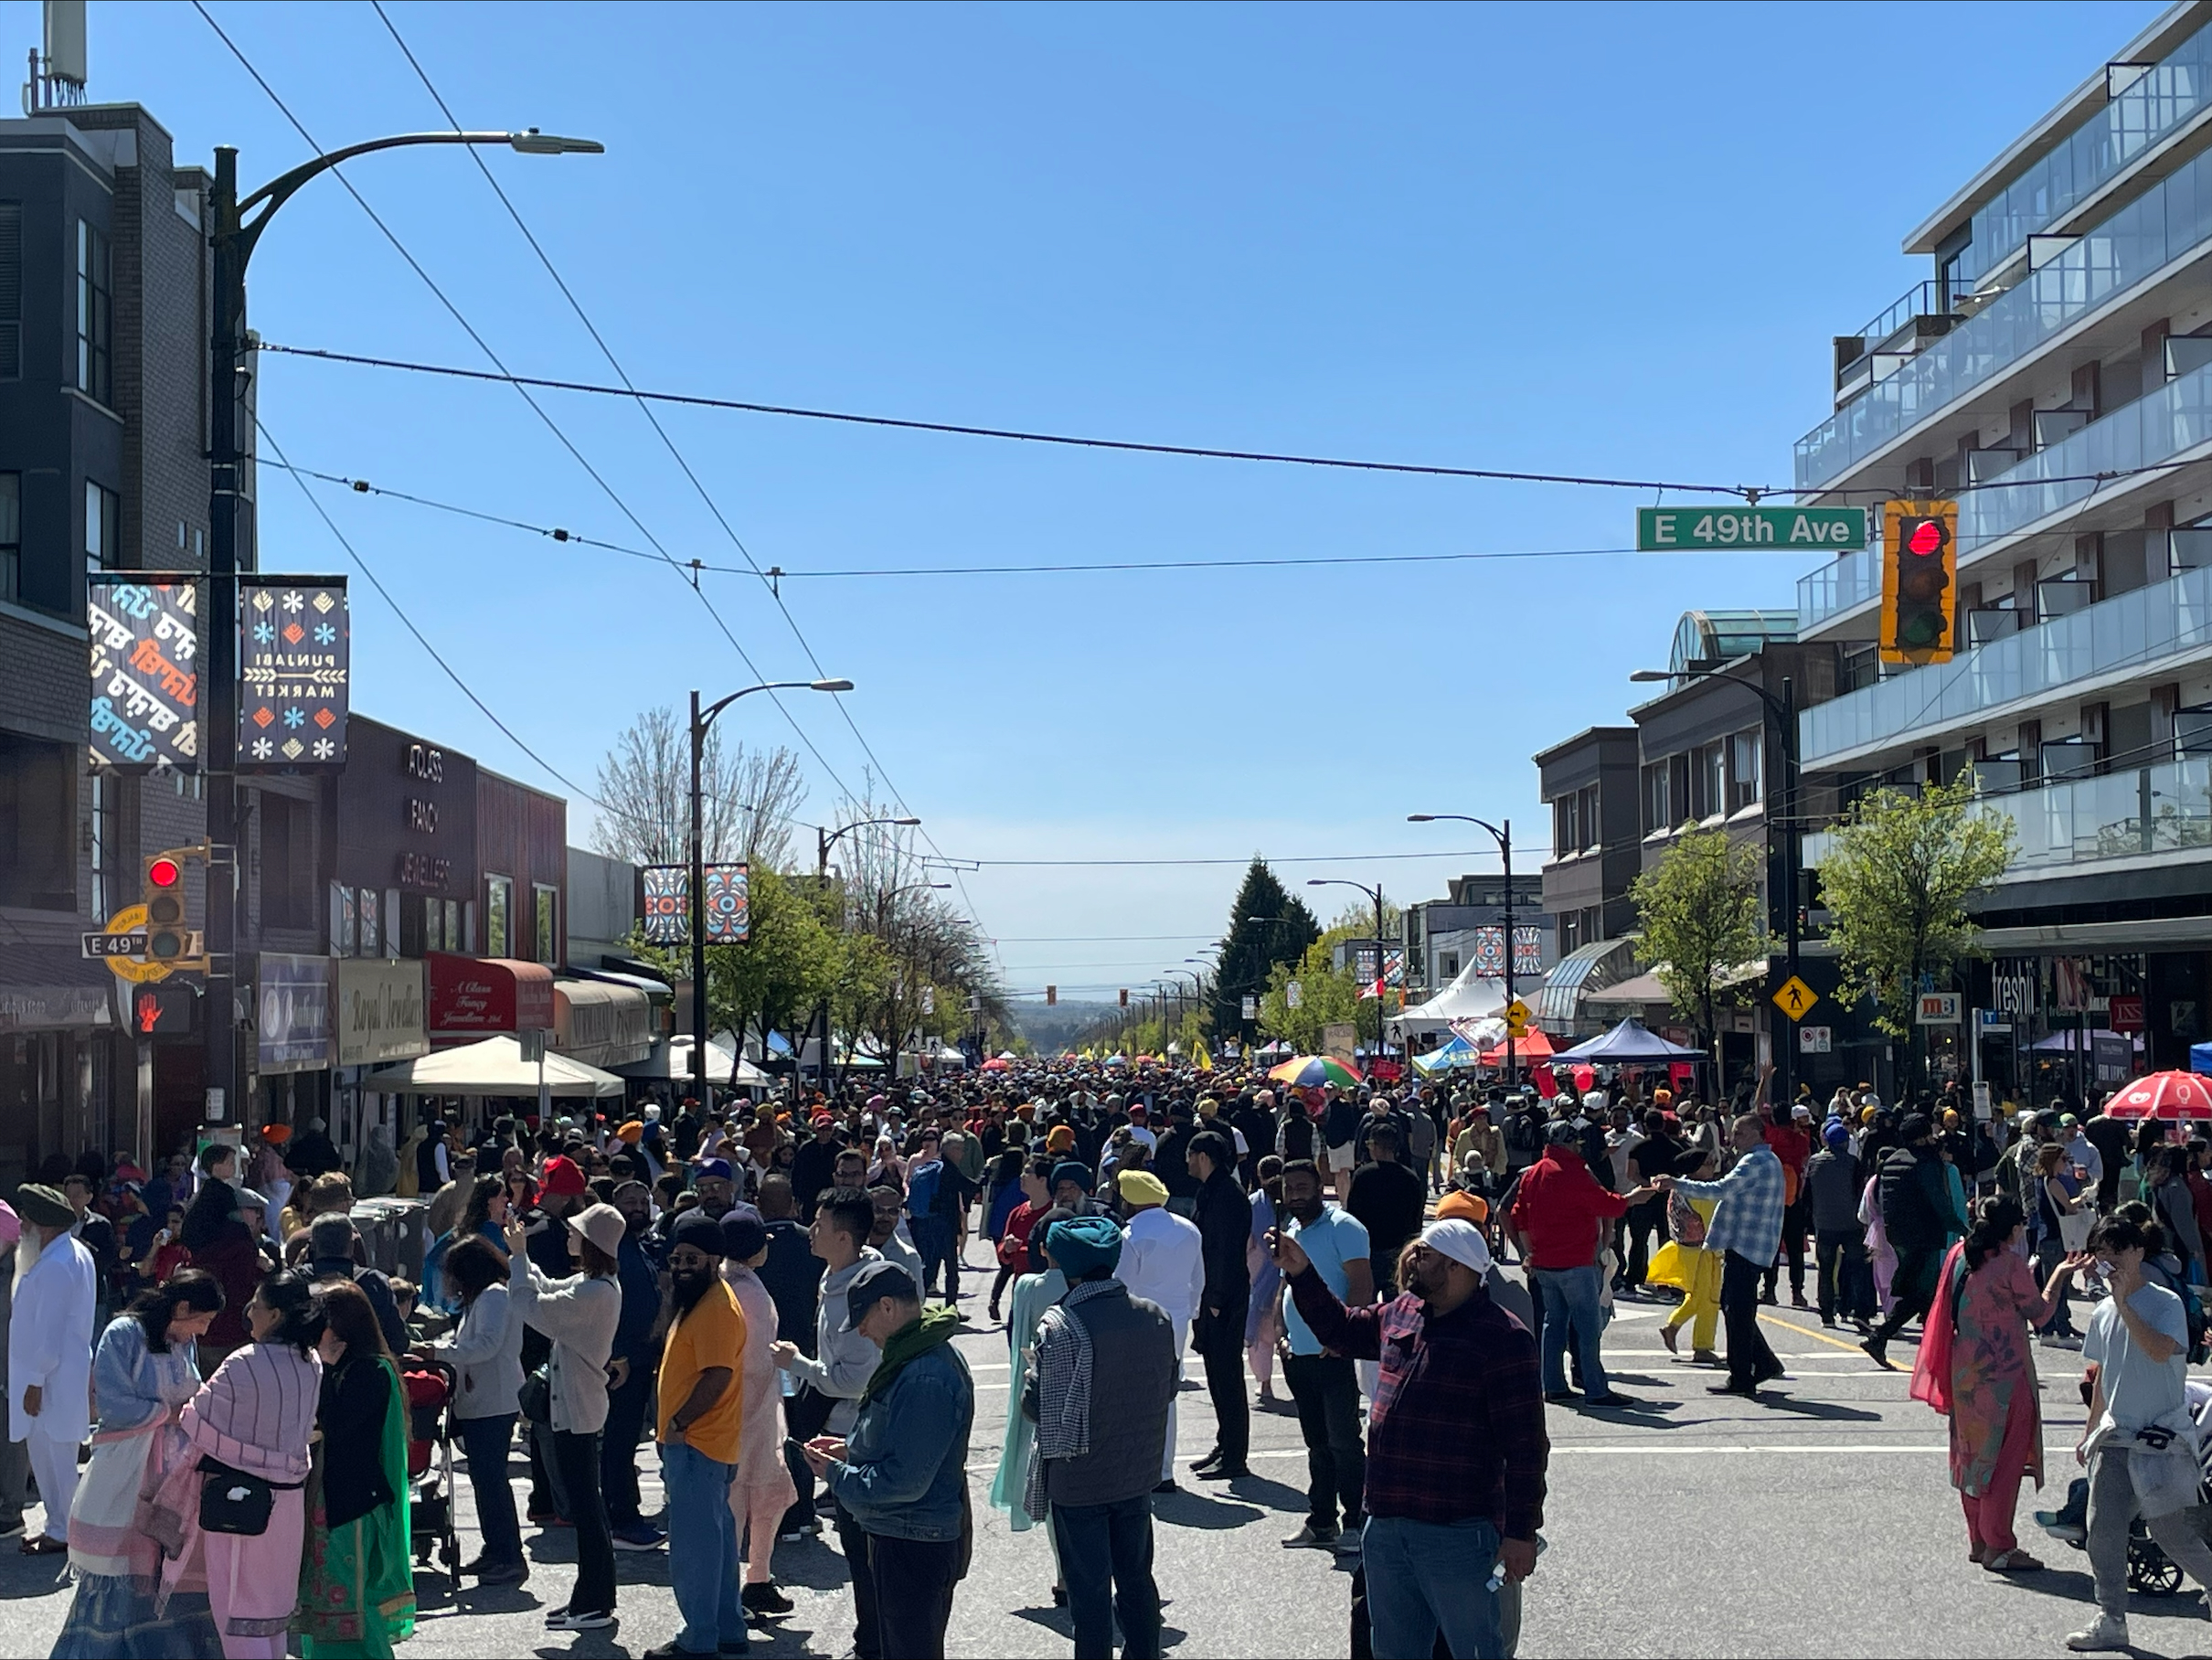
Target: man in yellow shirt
{"points": [[701, 1417]]}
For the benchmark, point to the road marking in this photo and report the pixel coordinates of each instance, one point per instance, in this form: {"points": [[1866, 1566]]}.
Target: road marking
{"points": [[1817, 1337]]}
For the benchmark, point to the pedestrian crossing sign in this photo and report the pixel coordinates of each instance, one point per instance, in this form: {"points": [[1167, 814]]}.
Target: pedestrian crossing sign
{"points": [[1795, 998]]}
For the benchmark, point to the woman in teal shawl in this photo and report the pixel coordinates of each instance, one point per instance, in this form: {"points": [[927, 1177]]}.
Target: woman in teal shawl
{"points": [[356, 1582], [1034, 1292]]}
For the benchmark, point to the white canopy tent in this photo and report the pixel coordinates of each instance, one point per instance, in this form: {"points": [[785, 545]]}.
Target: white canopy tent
{"points": [[671, 1060], [1466, 998], [492, 1066]]}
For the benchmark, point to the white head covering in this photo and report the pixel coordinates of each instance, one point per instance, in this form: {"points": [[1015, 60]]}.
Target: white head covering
{"points": [[1459, 1241]]}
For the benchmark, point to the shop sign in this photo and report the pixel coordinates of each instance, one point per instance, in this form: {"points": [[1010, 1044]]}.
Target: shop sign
{"points": [[294, 669], [34, 1008], [293, 1002], [476, 997], [2125, 1012], [1936, 1008], [145, 640], [380, 1011]]}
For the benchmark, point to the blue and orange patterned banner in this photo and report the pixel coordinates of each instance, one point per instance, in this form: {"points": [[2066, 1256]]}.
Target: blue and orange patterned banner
{"points": [[295, 670]]}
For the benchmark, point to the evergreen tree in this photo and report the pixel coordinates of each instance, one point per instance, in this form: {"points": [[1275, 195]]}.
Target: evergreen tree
{"points": [[1267, 926]]}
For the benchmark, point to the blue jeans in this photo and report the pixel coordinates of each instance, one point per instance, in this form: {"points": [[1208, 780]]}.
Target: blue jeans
{"points": [[1570, 1296], [933, 1244], [702, 1548], [487, 1443], [1105, 1553], [1427, 1575]]}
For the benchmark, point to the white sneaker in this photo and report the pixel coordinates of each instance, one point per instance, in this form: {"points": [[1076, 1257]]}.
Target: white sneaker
{"points": [[2110, 1631]]}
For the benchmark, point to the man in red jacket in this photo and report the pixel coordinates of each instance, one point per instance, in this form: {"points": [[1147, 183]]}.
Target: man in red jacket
{"points": [[1560, 1211]]}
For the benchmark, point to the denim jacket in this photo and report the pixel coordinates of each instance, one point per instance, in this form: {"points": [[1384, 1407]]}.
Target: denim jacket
{"points": [[904, 1474]]}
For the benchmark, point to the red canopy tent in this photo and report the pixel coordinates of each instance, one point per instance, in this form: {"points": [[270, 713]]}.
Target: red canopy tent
{"points": [[1531, 1045]]}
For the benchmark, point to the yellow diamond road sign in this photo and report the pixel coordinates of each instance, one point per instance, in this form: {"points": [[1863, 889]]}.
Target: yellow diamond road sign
{"points": [[1795, 998], [1516, 1017]]}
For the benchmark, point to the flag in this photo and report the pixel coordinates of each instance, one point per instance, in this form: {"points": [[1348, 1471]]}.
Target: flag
{"points": [[1204, 1061]]}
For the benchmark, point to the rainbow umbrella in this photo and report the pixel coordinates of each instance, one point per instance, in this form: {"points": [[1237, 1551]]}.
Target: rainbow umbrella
{"points": [[1310, 1072]]}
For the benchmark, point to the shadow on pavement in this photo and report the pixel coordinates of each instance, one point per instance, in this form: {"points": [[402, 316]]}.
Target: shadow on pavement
{"points": [[1829, 1409], [1259, 1490], [1188, 1509]]}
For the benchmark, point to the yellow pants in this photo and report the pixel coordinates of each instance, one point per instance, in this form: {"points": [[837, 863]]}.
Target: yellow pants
{"points": [[1701, 1295]]}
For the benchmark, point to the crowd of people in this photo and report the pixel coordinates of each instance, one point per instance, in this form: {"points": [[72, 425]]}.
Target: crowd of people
{"points": [[768, 1296]]}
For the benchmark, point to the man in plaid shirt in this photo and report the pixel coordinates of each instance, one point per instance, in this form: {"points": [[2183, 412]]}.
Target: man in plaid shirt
{"points": [[1746, 1229], [1456, 1447]]}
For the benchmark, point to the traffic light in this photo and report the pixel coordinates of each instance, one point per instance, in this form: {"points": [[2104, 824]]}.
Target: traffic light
{"points": [[163, 1010], [165, 898], [1052, 996], [1919, 585], [1124, 996]]}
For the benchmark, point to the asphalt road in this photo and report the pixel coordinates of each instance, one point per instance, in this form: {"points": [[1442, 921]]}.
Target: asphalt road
{"points": [[1691, 1524]]}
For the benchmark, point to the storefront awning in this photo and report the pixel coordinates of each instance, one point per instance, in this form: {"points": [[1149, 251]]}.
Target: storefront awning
{"points": [[472, 996], [45, 988], [600, 1024]]}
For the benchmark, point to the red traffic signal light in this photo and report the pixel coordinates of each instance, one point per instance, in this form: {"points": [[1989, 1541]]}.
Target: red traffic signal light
{"points": [[163, 893], [161, 1011], [1919, 590], [164, 872]]}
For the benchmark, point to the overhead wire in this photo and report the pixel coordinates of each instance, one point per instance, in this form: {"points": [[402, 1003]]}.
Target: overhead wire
{"points": [[668, 442], [486, 346]]}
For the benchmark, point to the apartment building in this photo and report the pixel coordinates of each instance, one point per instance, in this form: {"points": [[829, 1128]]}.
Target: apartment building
{"points": [[2054, 372]]}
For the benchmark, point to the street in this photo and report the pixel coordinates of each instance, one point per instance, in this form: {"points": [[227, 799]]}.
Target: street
{"points": [[1690, 1524]]}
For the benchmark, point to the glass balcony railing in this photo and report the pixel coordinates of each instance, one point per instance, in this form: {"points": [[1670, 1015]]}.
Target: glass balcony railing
{"points": [[2173, 216], [2146, 109], [2156, 428], [2127, 630], [2176, 418]]}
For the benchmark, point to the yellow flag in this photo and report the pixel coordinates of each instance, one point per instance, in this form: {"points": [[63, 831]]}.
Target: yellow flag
{"points": [[1205, 1062]]}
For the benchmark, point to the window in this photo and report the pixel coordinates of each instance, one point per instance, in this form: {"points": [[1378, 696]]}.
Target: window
{"points": [[103, 526], [38, 824], [95, 316], [372, 923], [1564, 841], [288, 872], [1710, 785], [103, 844], [1447, 964], [11, 290], [543, 900], [11, 536], [1585, 812], [454, 941], [498, 916], [1746, 750], [1658, 799], [341, 920]]}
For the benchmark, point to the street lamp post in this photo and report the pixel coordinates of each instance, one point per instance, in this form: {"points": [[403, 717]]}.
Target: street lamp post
{"points": [[1784, 710], [1502, 833], [1375, 893], [825, 839], [232, 237], [700, 720], [1198, 984]]}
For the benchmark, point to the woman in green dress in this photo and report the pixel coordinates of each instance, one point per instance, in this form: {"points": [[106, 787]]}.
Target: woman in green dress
{"points": [[357, 1583]]}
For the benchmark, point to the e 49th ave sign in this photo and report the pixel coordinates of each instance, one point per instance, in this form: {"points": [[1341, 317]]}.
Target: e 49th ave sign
{"points": [[1667, 530]]}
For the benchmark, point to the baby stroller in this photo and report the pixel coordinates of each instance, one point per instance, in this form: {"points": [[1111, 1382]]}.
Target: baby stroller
{"points": [[429, 1388], [2150, 1569]]}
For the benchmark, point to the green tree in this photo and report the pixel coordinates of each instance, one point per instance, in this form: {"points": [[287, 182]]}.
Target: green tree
{"points": [[1326, 997], [1699, 912], [1268, 927], [1895, 880]]}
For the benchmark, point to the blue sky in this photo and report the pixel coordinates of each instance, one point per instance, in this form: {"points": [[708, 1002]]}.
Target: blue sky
{"points": [[1595, 240]]}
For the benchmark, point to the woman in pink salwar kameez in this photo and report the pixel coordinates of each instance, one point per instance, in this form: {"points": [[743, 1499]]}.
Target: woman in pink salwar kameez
{"points": [[256, 1415], [1976, 1366]]}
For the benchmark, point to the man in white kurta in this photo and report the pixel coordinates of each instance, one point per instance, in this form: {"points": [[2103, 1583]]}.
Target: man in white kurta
{"points": [[1163, 1263], [50, 1356]]}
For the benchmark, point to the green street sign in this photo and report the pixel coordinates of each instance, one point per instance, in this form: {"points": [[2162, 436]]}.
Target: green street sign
{"points": [[1670, 529]]}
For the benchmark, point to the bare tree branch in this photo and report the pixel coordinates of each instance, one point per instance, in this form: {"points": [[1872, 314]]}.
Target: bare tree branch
{"points": [[748, 797]]}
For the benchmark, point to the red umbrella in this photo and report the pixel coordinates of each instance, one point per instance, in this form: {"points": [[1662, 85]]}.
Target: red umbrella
{"points": [[2164, 1095]]}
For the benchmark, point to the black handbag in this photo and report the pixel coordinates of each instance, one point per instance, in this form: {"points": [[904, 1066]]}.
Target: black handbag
{"points": [[235, 1501], [536, 1398]]}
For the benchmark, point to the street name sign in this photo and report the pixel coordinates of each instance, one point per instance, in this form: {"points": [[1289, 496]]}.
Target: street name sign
{"points": [[114, 945], [1795, 998], [1668, 529]]}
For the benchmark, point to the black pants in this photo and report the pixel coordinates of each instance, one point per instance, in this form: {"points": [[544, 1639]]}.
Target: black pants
{"points": [[914, 1586], [867, 1632], [1643, 1221], [1106, 1559], [805, 1415], [1846, 1280], [1326, 1389], [1793, 1247], [1220, 1343], [618, 1444], [1751, 1361], [576, 1459], [1913, 1286]]}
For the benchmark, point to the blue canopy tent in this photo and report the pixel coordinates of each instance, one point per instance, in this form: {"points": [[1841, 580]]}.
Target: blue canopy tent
{"points": [[2200, 1057], [1453, 1056], [1630, 1042]]}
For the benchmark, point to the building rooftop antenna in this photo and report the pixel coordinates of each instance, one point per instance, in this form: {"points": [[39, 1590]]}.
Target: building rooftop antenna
{"points": [[58, 74]]}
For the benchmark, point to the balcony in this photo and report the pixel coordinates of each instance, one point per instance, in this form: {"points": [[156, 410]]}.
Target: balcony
{"points": [[2170, 220], [2147, 105], [1848, 580], [2138, 814], [2116, 638]]}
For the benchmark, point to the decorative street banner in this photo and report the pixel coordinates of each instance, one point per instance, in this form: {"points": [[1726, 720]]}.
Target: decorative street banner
{"points": [[728, 892], [293, 666], [667, 891], [146, 671]]}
